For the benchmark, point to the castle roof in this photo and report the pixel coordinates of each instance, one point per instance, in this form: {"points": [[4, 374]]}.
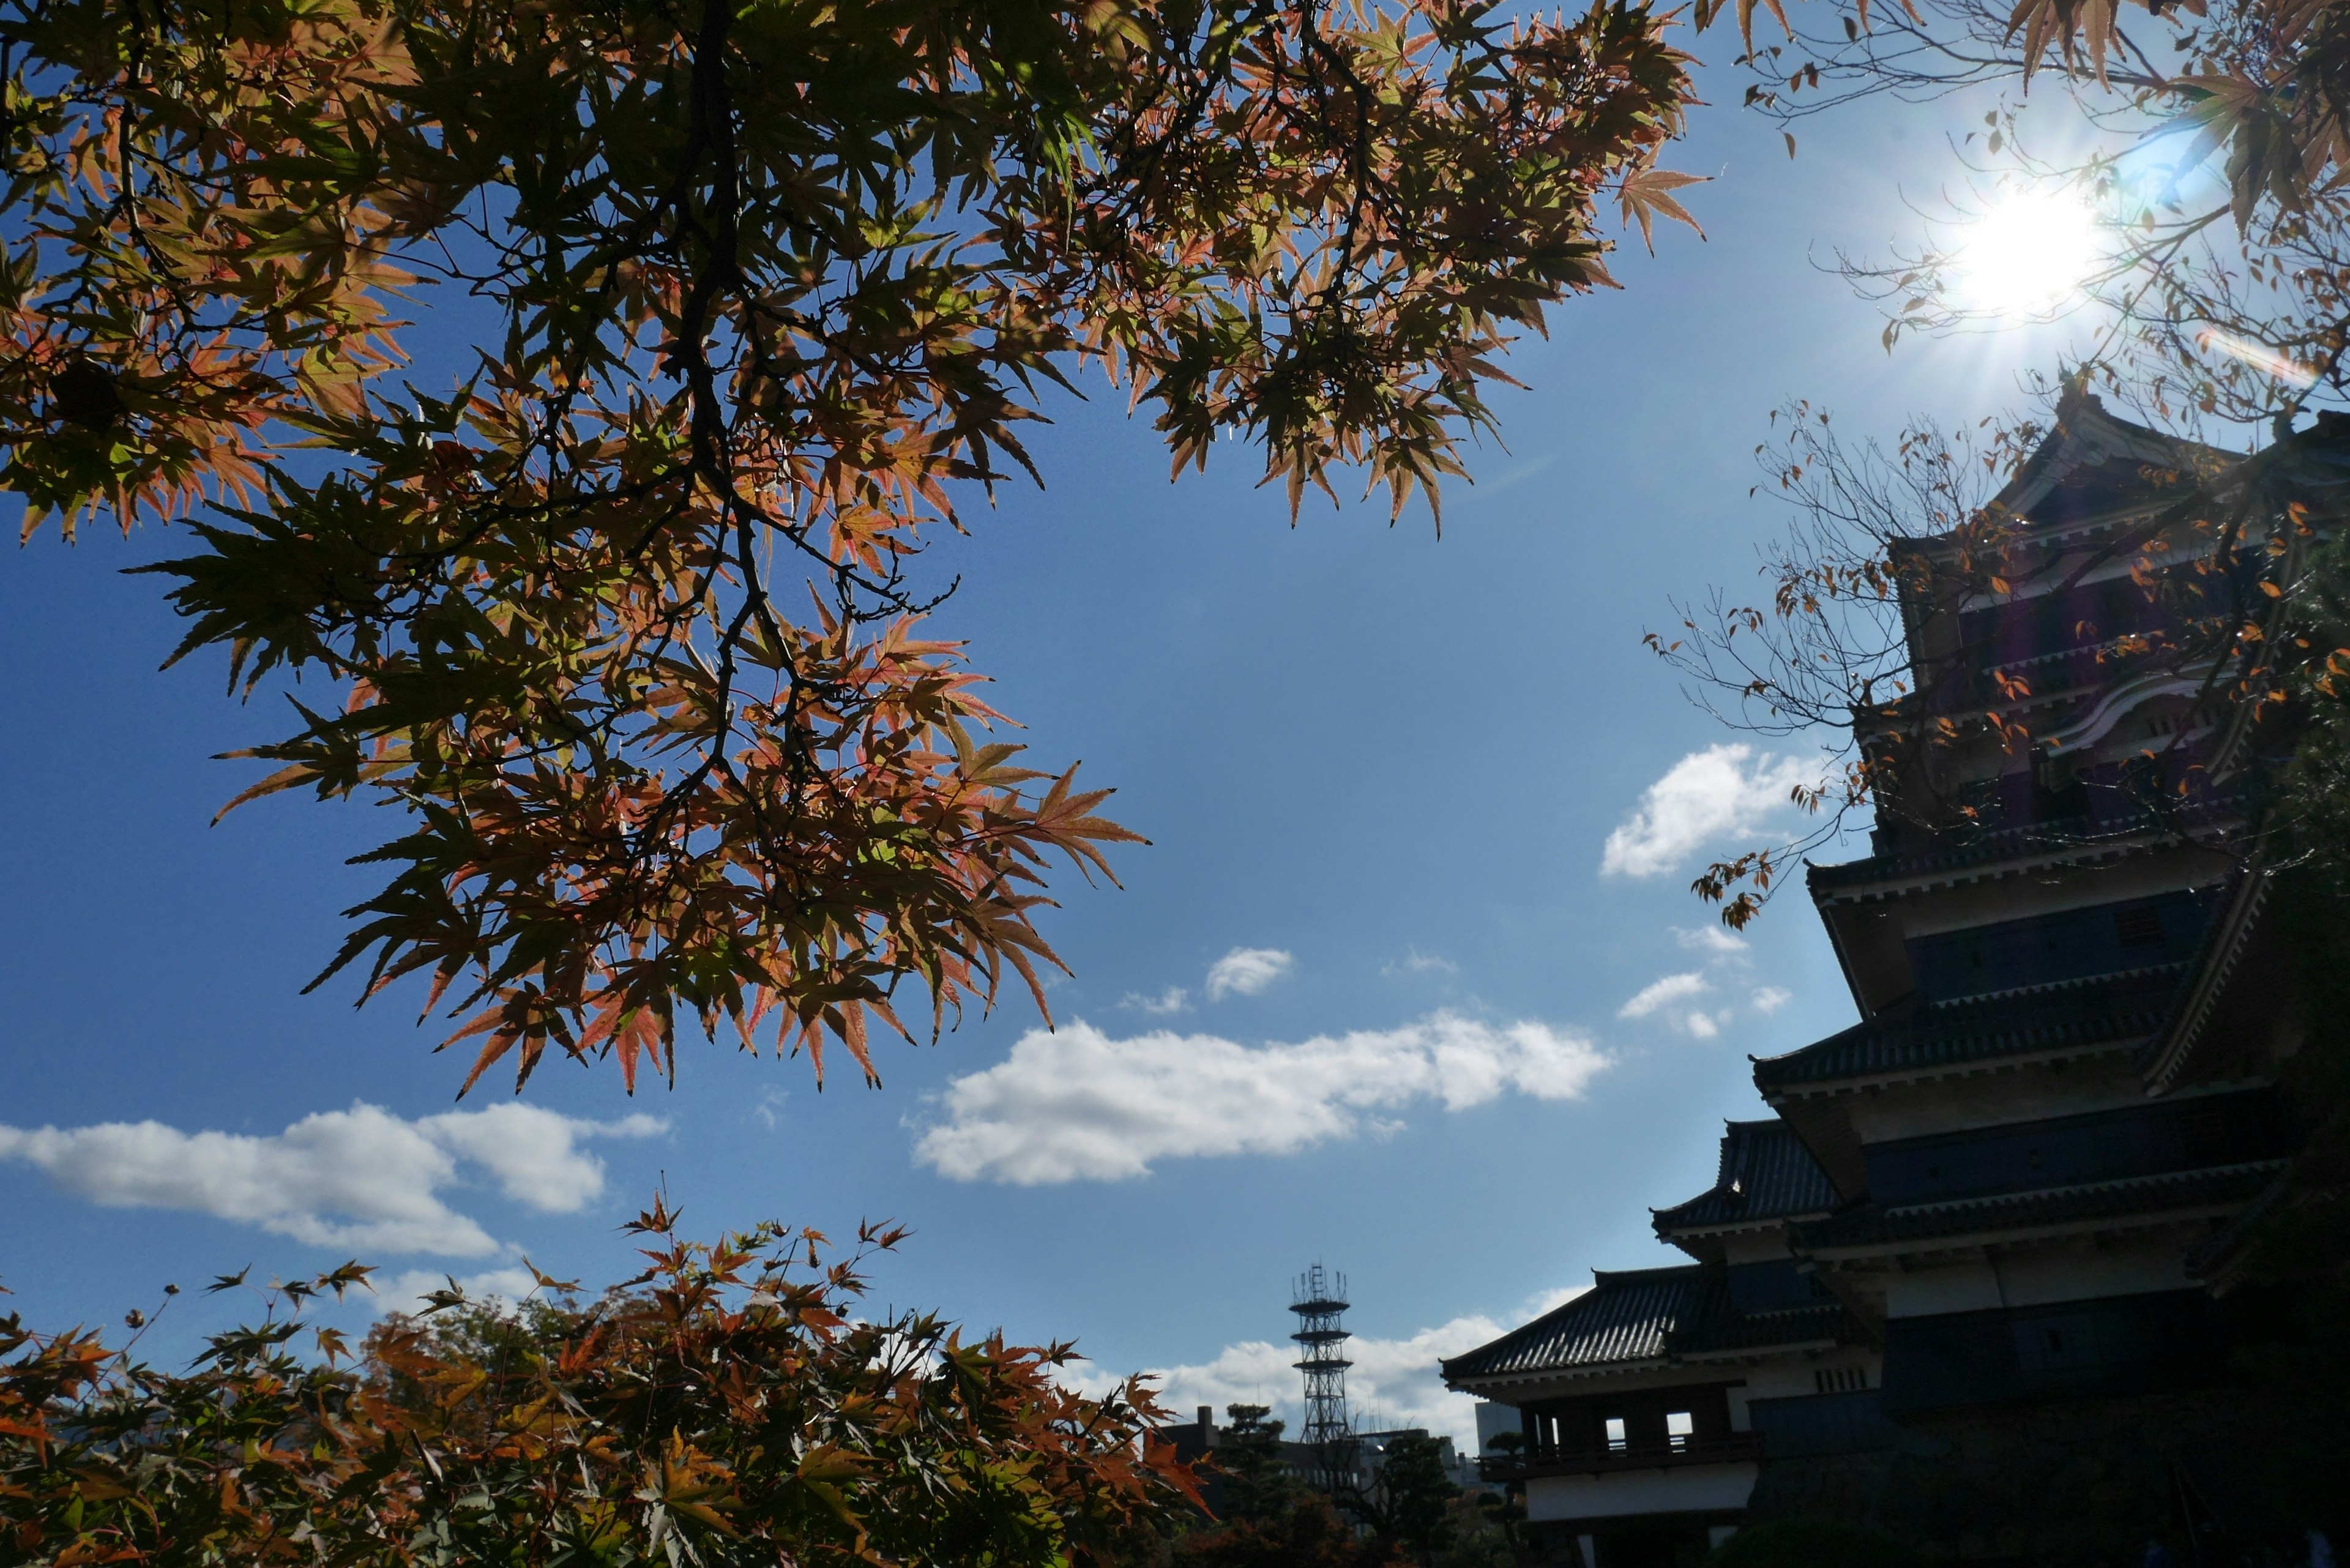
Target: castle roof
{"points": [[1647, 1316], [2177, 1194], [1623, 1317], [2087, 1016], [1765, 1173]]}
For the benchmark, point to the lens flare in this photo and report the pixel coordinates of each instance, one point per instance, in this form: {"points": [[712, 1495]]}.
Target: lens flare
{"points": [[2025, 255], [2259, 356]]}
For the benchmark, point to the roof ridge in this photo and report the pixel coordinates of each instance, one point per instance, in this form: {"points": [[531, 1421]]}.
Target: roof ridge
{"points": [[2070, 1189], [1611, 1276], [2073, 982], [2102, 1011]]}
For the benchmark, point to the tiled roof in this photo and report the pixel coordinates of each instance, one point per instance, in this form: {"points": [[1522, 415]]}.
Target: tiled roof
{"points": [[1622, 1317], [1825, 1320], [2137, 1195], [1765, 1173], [2116, 1009], [1628, 1319]]}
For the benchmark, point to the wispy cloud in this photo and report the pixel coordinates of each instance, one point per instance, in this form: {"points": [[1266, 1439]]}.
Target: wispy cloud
{"points": [[1246, 971], [1770, 998], [1709, 939], [1079, 1104], [1708, 794], [1174, 999], [362, 1179], [1418, 962], [1664, 993]]}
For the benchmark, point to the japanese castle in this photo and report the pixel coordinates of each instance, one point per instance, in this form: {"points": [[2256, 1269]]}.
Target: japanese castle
{"points": [[1963, 1285]]}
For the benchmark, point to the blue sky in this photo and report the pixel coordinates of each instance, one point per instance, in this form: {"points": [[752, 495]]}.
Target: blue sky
{"points": [[1383, 768]]}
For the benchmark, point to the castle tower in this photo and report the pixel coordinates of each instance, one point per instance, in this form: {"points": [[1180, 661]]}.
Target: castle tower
{"points": [[1993, 1214]]}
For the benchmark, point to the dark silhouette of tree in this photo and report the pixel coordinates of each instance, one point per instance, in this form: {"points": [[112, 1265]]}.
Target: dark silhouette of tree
{"points": [[1408, 1501], [1269, 1518]]}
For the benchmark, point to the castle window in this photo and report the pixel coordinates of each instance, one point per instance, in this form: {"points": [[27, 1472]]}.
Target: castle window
{"points": [[1679, 1427], [1616, 1439]]}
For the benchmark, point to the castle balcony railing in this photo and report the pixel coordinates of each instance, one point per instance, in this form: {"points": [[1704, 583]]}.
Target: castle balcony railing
{"points": [[1729, 1448]]}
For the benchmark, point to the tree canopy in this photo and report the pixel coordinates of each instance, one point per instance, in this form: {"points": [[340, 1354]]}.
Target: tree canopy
{"points": [[628, 620], [730, 1404]]}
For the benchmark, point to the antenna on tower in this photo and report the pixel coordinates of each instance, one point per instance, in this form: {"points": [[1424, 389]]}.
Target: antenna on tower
{"points": [[1320, 1300]]}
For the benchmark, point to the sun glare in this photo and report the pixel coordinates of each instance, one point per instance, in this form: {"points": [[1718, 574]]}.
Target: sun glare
{"points": [[2027, 254]]}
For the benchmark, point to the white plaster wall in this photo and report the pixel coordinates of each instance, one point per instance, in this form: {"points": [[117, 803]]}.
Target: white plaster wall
{"points": [[1995, 1098], [1793, 1378], [1692, 1487], [1954, 1287], [2038, 1277], [1780, 1381], [1755, 1246], [2057, 888]]}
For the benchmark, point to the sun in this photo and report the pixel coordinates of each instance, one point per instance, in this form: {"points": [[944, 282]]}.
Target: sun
{"points": [[2027, 254]]}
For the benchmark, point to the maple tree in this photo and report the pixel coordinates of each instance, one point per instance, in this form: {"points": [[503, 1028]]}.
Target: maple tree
{"points": [[628, 618], [730, 1405]]}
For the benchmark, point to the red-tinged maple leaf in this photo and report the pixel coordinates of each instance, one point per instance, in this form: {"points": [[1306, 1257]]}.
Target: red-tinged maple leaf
{"points": [[1647, 193]]}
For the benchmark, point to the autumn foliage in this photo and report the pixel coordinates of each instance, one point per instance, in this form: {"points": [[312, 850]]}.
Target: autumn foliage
{"points": [[727, 1406], [623, 610]]}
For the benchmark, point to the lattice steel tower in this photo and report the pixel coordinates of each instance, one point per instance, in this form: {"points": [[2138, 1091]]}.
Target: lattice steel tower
{"points": [[1319, 1301]]}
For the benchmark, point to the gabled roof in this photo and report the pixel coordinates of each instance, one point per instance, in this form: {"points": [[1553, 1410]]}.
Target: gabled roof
{"points": [[2101, 1012], [2094, 460], [1623, 1317], [1765, 1173]]}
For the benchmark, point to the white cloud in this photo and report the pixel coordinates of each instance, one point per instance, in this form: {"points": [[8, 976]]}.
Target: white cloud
{"points": [[1174, 999], [406, 1292], [362, 1179], [1662, 997], [1709, 939], [1076, 1105], [1705, 795], [1661, 993], [1417, 963], [1246, 971]]}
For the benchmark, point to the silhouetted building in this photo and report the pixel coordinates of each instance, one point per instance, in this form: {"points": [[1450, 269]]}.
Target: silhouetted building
{"points": [[1962, 1284]]}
